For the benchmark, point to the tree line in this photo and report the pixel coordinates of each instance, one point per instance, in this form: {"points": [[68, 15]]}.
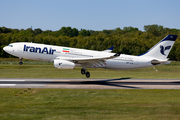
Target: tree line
{"points": [[129, 40]]}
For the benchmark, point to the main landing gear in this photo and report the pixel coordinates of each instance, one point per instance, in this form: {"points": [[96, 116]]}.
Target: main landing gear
{"points": [[20, 61], [83, 71]]}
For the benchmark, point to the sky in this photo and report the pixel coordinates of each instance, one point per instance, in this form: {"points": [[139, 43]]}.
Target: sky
{"points": [[89, 14]]}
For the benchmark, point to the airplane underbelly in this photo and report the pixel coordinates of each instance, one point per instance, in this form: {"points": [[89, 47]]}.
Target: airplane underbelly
{"points": [[122, 65], [117, 65]]}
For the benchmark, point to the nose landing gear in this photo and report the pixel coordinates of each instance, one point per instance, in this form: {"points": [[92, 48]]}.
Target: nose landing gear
{"points": [[20, 61], [83, 71]]}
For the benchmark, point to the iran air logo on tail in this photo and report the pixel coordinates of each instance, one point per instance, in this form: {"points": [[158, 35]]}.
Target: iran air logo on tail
{"points": [[162, 49]]}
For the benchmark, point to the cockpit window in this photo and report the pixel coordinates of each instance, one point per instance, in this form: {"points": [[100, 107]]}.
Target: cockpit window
{"points": [[10, 45]]}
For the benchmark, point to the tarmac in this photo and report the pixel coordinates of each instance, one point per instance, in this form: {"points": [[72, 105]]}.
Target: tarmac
{"points": [[120, 83]]}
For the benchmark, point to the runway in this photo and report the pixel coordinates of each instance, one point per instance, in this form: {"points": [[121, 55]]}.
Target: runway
{"points": [[121, 83]]}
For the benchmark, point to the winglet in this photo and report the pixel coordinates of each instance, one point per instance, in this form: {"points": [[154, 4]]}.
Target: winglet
{"points": [[111, 48]]}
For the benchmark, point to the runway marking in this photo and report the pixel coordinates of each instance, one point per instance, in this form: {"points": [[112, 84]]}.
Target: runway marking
{"points": [[9, 81], [7, 85]]}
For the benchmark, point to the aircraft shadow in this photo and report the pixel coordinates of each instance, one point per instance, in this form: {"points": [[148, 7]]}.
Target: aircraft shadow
{"points": [[108, 82]]}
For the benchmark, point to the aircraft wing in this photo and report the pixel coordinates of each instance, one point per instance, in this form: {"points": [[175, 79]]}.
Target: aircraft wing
{"points": [[95, 61], [96, 58], [91, 61]]}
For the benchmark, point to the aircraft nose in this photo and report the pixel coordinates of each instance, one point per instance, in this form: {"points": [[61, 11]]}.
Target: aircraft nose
{"points": [[5, 48], [8, 49]]}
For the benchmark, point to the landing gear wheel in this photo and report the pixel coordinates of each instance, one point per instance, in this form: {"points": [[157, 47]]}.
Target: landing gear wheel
{"points": [[20, 63], [87, 74], [83, 71]]}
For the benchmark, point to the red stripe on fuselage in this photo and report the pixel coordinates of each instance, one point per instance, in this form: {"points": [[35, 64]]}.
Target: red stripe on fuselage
{"points": [[65, 51]]}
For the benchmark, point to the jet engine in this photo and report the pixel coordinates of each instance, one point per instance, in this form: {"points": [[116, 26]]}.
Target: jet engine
{"points": [[63, 64]]}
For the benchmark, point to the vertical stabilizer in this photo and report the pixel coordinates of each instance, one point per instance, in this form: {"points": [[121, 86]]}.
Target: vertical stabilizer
{"points": [[162, 49]]}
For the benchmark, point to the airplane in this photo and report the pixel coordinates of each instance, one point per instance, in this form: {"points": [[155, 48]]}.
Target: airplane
{"points": [[69, 58]]}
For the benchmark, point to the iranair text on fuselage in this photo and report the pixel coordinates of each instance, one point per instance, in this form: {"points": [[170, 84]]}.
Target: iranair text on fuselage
{"points": [[46, 50]]}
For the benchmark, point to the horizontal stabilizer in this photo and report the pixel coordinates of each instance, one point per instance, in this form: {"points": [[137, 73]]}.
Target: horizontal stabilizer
{"points": [[156, 62]]}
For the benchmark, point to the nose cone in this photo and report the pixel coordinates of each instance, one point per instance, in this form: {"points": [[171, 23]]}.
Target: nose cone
{"points": [[5, 48]]}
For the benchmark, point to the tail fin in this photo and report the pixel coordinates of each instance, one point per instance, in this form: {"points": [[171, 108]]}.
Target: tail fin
{"points": [[162, 49]]}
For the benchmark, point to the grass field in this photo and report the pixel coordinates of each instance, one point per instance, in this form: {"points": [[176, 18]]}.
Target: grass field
{"points": [[9, 68], [74, 104], [84, 104]]}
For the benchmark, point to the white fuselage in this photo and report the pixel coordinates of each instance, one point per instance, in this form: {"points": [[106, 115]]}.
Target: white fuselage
{"points": [[44, 52]]}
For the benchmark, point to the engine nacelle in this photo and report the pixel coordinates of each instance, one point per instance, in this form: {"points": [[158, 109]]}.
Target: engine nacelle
{"points": [[63, 64]]}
